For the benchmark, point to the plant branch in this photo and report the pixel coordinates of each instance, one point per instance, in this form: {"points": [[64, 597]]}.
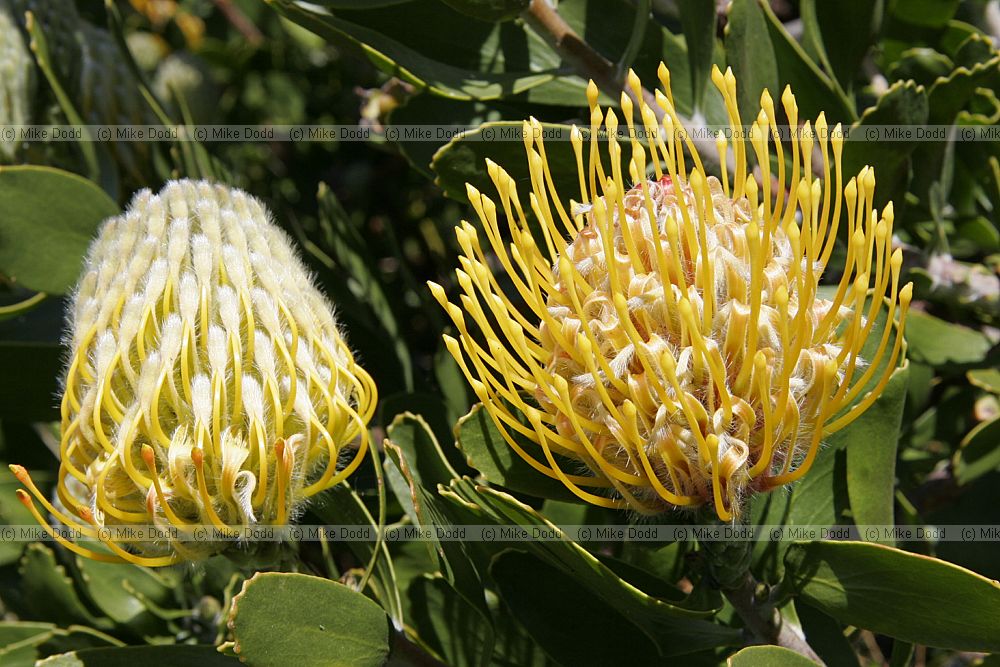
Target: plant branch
{"points": [[763, 620], [588, 63], [240, 21]]}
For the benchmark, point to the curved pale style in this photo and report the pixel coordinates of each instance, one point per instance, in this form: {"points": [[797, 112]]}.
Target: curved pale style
{"points": [[672, 349], [209, 383]]}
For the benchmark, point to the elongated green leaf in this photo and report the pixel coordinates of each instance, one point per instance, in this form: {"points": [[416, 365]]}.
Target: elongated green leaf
{"points": [[842, 33], [49, 217], [424, 64], [427, 461], [871, 455], [342, 506], [698, 22], [911, 597], [456, 558], [673, 629], [559, 613], [815, 92], [772, 656], [489, 453], [295, 619], [455, 629], [750, 53]]}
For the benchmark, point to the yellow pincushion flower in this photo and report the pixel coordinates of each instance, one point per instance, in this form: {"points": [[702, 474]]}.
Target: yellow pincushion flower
{"points": [[672, 338], [209, 384]]}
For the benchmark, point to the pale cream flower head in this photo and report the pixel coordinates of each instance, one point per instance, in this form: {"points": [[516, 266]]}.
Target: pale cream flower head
{"points": [[209, 382]]}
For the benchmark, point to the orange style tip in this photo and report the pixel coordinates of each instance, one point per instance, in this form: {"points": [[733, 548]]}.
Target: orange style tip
{"points": [[85, 514], [19, 472], [198, 457], [279, 448], [147, 455]]}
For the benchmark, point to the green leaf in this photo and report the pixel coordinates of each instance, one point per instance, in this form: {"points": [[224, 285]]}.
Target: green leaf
{"points": [[822, 497], [19, 641], [426, 509], [121, 592], [148, 656], [949, 95], [772, 656], [985, 378], [841, 33], [926, 13], [815, 92], [296, 619], [342, 506], [936, 342], [488, 452], [421, 449], [979, 453], [905, 103], [47, 593], [489, 10], [427, 109], [352, 258], [463, 159], [455, 629], [923, 65], [674, 629], [424, 58], [698, 20], [915, 598], [751, 55], [567, 619], [871, 455], [49, 219], [826, 637]]}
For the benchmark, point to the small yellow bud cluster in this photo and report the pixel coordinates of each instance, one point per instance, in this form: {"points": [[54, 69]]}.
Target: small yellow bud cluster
{"points": [[209, 383], [675, 341]]}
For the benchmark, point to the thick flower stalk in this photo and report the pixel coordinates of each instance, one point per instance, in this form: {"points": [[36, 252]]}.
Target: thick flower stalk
{"points": [[209, 385], [665, 343]]}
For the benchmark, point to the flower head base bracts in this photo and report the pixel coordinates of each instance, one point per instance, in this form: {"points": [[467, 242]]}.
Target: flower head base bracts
{"points": [[673, 340], [209, 384]]}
